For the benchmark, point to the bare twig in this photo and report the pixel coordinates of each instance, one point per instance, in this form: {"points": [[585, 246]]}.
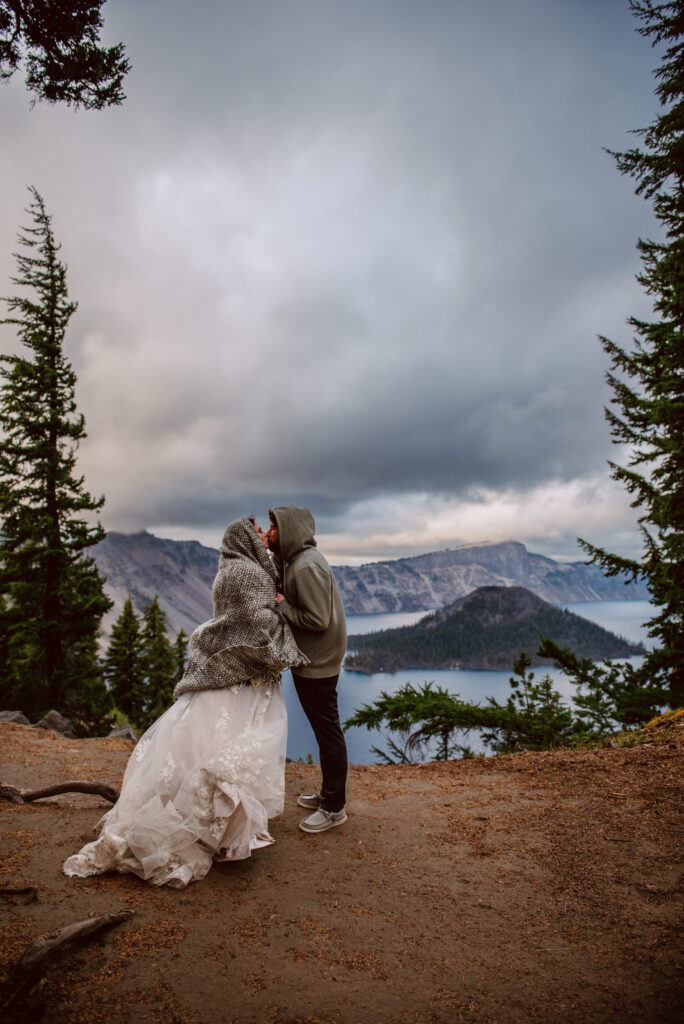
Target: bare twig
{"points": [[12, 794], [27, 972], [29, 891], [24, 796]]}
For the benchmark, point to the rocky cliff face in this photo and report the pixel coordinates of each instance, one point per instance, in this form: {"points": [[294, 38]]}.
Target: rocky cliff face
{"points": [[182, 573], [440, 577]]}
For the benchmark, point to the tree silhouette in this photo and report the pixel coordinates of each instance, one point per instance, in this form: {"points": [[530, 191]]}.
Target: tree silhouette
{"points": [[58, 41]]}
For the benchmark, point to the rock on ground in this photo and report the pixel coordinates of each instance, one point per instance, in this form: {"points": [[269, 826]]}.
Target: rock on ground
{"points": [[58, 723], [124, 732], [18, 717]]}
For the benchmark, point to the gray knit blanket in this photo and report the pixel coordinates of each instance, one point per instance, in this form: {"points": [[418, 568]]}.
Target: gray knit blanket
{"points": [[247, 640]]}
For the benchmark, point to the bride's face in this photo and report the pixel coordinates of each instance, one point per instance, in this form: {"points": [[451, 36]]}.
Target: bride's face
{"points": [[260, 533]]}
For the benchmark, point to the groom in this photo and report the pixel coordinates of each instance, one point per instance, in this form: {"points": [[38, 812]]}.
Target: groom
{"points": [[311, 604]]}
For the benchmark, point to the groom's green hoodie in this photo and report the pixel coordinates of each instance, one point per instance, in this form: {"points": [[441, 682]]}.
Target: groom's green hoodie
{"points": [[312, 605]]}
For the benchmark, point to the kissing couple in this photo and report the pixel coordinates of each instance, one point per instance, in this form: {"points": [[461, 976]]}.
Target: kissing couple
{"points": [[205, 778]]}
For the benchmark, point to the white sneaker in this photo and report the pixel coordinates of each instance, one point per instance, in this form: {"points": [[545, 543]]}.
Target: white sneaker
{"points": [[310, 800], [322, 820]]}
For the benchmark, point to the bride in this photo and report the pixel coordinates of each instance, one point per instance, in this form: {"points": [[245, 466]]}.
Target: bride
{"points": [[205, 778]]}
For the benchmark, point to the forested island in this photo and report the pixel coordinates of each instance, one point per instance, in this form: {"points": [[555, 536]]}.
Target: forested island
{"points": [[487, 629]]}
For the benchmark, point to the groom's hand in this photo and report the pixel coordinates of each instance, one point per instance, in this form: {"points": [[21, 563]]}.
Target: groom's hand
{"points": [[279, 598]]}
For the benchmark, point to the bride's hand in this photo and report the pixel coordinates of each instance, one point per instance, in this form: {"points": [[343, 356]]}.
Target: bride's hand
{"points": [[279, 597]]}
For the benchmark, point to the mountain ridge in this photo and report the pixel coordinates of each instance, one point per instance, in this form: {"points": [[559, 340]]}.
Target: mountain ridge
{"points": [[436, 578], [182, 574]]}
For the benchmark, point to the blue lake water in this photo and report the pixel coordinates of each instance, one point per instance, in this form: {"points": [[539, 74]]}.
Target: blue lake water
{"points": [[625, 618]]}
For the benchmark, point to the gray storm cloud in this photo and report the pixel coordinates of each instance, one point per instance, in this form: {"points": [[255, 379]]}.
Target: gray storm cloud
{"points": [[353, 255]]}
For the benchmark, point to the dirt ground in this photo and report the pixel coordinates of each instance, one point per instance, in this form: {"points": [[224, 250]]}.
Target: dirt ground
{"points": [[538, 887]]}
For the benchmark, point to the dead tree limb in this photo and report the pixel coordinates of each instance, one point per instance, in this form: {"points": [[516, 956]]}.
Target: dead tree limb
{"points": [[25, 796], [12, 794], [29, 891], [28, 971]]}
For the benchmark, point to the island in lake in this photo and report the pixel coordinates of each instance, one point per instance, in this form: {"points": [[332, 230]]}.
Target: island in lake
{"points": [[487, 629]]}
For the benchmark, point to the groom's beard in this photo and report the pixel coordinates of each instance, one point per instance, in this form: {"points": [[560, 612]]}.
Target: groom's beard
{"points": [[279, 567], [277, 555]]}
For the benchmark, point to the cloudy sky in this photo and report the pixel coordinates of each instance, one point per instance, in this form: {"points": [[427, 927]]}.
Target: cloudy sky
{"points": [[353, 254]]}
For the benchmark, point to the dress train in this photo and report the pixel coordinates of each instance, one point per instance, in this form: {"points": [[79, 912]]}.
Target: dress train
{"points": [[200, 785]]}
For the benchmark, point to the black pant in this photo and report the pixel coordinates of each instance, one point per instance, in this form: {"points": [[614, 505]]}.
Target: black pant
{"points": [[318, 697]]}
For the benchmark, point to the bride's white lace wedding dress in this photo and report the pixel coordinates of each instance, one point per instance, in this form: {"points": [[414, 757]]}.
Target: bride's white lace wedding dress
{"points": [[200, 786]]}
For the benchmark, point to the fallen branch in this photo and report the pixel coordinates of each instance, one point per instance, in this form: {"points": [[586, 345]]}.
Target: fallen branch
{"points": [[27, 972], [25, 796], [29, 891]]}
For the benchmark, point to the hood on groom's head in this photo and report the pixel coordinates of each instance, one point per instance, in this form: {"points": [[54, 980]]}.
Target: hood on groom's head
{"points": [[296, 527]]}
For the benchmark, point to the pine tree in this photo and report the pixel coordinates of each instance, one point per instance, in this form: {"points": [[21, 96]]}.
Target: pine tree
{"points": [[648, 381], [534, 717], [123, 664], [52, 593], [158, 665], [180, 653]]}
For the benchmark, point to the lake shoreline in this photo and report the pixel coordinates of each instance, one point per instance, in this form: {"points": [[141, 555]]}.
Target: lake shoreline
{"points": [[357, 689]]}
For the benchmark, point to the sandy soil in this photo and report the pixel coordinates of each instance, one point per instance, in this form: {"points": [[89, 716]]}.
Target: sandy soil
{"points": [[540, 887]]}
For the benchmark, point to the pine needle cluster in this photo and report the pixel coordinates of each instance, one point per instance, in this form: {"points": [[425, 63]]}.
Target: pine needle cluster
{"points": [[59, 45]]}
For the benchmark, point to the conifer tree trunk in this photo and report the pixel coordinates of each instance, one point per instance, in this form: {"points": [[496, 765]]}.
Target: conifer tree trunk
{"points": [[51, 609]]}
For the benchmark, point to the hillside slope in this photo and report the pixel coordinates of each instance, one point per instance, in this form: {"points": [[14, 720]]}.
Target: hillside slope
{"points": [[180, 572], [485, 630]]}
